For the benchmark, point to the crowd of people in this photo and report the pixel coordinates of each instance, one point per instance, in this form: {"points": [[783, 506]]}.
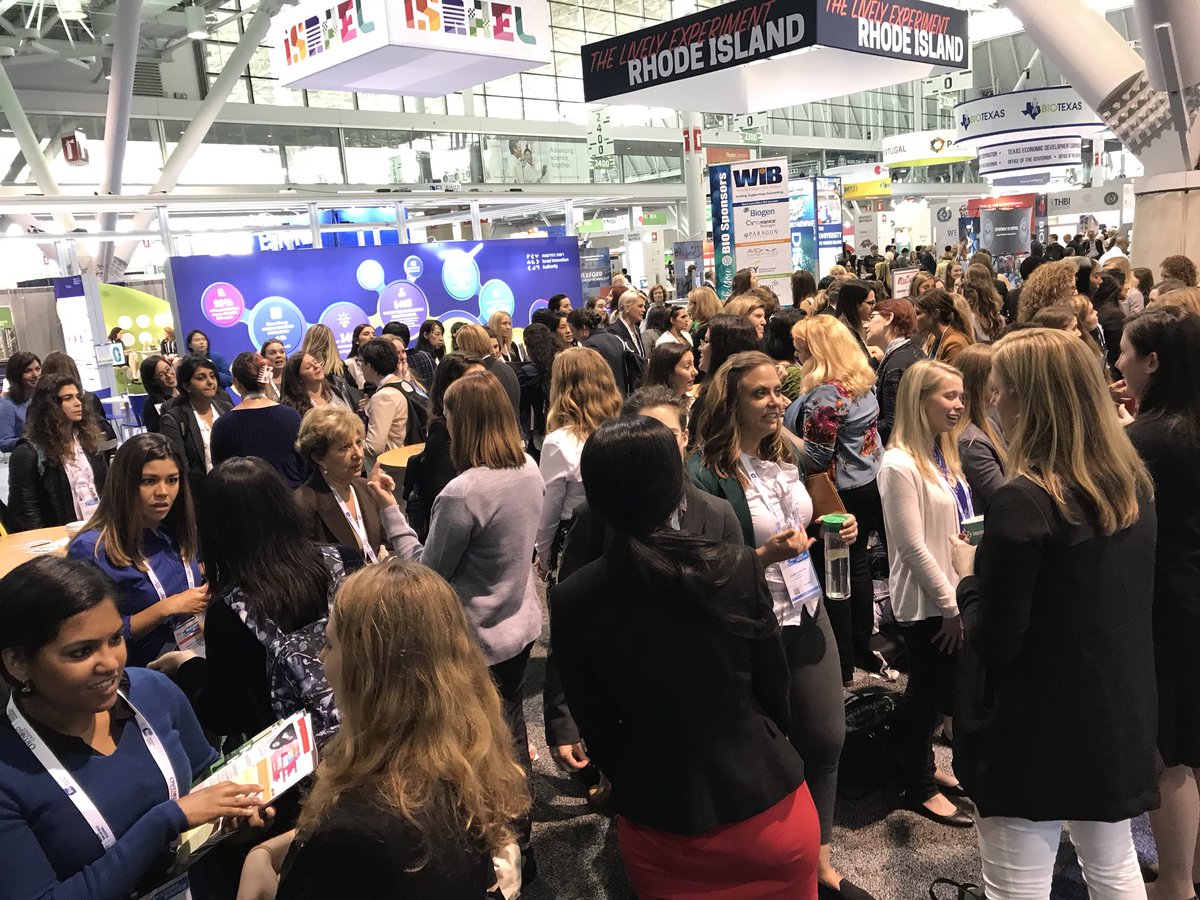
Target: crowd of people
{"points": [[672, 473]]}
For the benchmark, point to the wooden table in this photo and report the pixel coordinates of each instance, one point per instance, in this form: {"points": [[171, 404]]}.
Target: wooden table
{"points": [[398, 458], [16, 548]]}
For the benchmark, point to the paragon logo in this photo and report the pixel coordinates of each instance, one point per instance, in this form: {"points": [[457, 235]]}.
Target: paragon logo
{"points": [[760, 176], [986, 116], [1034, 108]]}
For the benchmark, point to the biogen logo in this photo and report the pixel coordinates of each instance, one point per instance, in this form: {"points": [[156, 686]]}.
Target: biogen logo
{"points": [[470, 18]]}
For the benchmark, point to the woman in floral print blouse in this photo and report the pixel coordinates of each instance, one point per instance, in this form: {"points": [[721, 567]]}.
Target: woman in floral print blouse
{"points": [[836, 415]]}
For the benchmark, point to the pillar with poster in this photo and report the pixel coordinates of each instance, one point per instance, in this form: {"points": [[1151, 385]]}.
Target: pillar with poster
{"points": [[751, 224]]}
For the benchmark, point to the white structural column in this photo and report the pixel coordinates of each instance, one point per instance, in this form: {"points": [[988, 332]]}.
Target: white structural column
{"points": [[206, 114], [30, 146], [693, 175], [1150, 105], [116, 122]]}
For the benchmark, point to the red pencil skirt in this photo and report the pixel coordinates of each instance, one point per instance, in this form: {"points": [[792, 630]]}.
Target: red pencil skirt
{"points": [[771, 856]]}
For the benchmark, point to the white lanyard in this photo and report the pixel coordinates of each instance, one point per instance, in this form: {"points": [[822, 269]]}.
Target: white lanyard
{"points": [[356, 524], [158, 586], [799, 573], [67, 781], [189, 634]]}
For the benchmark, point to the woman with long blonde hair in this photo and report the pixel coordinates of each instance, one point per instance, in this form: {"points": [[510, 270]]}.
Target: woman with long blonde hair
{"points": [[1057, 697], [419, 789], [751, 308], [925, 502], [985, 303], [481, 537], [583, 395], [703, 304], [980, 441], [320, 344], [836, 415]]}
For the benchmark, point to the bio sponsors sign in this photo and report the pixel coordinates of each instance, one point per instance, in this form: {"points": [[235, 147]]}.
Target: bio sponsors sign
{"points": [[1018, 156], [728, 35], [1044, 112], [924, 148], [751, 226], [242, 301], [922, 32]]}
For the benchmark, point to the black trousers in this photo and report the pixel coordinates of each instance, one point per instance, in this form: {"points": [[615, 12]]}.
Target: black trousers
{"points": [[510, 682], [929, 695], [853, 619]]}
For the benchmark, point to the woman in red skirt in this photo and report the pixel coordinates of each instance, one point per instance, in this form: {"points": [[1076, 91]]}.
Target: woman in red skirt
{"points": [[673, 668]]}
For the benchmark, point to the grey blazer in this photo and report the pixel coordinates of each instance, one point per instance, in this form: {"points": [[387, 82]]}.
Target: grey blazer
{"points": [[982, 466]]}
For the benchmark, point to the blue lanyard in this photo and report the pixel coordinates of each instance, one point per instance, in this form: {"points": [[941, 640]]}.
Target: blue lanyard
{"points": [[960, 492]]}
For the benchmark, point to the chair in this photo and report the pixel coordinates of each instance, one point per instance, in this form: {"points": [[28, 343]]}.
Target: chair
{"points": [[131, 417]]}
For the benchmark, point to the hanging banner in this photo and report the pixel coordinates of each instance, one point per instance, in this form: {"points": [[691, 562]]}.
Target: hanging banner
{"points": [[924, 148], [1034, 114], [720, 186], [729, 35], [426, 48], [922, 32], [513, 160]]}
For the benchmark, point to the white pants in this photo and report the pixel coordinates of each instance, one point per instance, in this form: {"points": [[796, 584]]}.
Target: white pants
{"points": [[1018, 858]]}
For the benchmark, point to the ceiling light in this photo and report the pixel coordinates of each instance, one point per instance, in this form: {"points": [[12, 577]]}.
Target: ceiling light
{"points": [[193, 17]]}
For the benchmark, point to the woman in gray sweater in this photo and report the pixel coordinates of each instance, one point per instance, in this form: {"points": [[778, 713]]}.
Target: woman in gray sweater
{"points": [[481, 536]]}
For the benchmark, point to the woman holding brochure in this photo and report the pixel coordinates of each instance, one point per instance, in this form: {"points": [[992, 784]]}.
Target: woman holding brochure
{"points": [[95, 760], [143, 537]]}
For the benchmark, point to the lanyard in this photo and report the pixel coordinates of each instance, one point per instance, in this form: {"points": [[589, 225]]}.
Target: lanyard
{"points": [[962, 496], [799, 575], [356, 525], [67, 781], [158, 585], [781, 509]]}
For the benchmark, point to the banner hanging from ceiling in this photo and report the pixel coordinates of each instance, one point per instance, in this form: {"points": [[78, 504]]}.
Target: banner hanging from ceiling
{"points": [[425, 48], [725, 36], [917, 31]]}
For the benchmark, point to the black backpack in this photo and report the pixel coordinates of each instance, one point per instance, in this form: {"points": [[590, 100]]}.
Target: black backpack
{"points": [[418, 412], [870, 757]]}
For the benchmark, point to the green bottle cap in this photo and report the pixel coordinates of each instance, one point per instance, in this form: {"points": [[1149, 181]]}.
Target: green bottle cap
{"points": [[834, 522]]}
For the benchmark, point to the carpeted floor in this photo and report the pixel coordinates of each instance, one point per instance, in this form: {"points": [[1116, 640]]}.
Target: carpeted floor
{"points": [[891, 852]]}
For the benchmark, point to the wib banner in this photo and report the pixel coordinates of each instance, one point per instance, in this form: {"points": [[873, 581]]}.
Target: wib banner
{"points": [[751, 223]]}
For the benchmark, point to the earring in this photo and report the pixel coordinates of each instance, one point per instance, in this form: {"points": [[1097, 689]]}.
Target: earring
{"points": [[26, 687]]}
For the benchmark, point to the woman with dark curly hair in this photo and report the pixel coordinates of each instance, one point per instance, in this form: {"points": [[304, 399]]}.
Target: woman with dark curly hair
{"points": [[57, 471], [22, 372]]}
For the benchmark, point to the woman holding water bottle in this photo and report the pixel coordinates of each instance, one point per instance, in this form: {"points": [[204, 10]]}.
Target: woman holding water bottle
{"points": [[143, 537], [925, 502], [742, 456], [836, 415]]}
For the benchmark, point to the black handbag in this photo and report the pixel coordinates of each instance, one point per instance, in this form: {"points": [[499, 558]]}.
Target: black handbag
{"points": [[966, 890], [870, 757]]}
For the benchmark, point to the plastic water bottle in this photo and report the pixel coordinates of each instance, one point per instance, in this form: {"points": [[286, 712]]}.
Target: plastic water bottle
{"points": [[837, 557]]}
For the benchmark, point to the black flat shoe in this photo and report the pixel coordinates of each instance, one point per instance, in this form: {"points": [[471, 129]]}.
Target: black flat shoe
{"points": [[957, 819], [848, 891]]}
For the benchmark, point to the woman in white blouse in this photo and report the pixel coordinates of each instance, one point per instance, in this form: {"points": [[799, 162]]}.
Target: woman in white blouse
{"points": [[583, 394], [925, 501], [679, 327]]}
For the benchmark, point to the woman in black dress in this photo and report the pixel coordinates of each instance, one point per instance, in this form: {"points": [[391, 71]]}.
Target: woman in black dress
{"points": [[1160, 359]]}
